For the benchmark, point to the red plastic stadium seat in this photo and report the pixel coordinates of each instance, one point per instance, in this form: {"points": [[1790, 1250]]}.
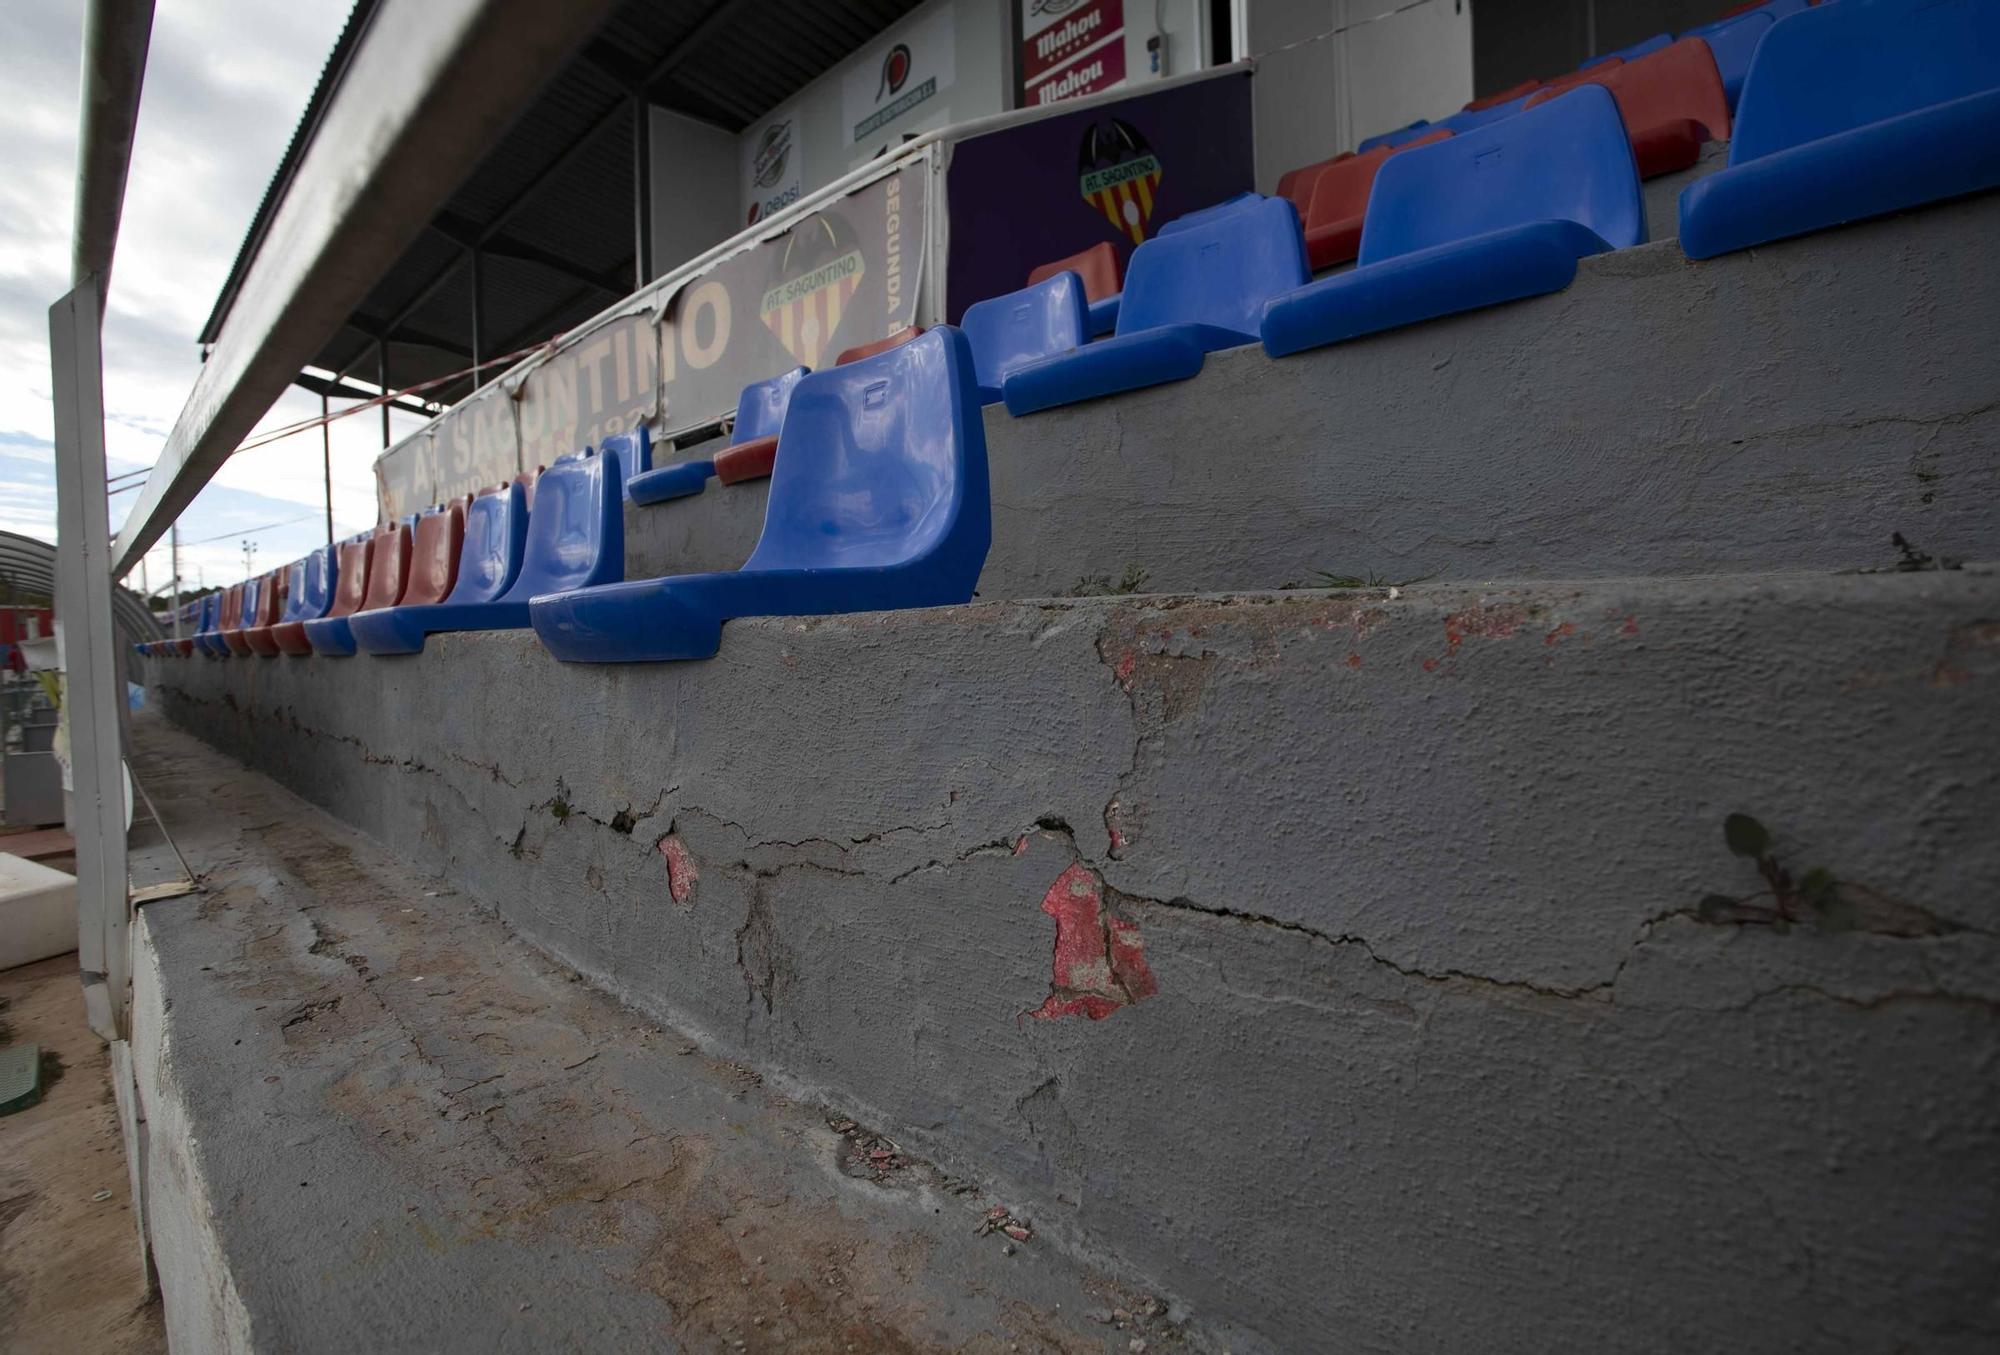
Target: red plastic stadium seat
{"points": [[526, 480], [228, 614], [869, 350], [1102, 271], [1332, 198], [1508, 95], [258, 630], [349, 589], [1672, 102], [1296, 184], [245, 609], [433, 566], [389, 569], [750, 460], [1103, 274]]}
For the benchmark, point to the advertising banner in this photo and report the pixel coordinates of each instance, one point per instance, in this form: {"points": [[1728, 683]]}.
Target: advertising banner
{"points": [[772, 172], [1071, 48], [601, 382], [845, 275], [1092, 73], [902, 79], [1023, 195], [475, 446], [404, 475]]}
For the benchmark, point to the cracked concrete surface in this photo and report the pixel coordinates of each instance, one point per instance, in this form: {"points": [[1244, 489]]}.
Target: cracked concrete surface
{"points": [[381, 1122], [1441, 1041]]}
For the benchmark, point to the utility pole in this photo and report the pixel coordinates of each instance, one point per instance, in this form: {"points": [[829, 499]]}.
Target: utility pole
{"points": [[249, 558], [326, 461], [174, 564]]}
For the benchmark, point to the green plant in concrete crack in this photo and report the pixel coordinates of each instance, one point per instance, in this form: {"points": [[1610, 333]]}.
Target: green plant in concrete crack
{"points": [[1816, 895], [558, 804], [1100, 585], [1915, 561], [1327, 579]]}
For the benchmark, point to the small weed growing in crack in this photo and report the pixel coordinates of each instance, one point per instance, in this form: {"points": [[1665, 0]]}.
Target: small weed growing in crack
{"points": [[1815, 895], [1100, 585], [1914, 561], [1370, 580], [623, 822], [558, 804]]}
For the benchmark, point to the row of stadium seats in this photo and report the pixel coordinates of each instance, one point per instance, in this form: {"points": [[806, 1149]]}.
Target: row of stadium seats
{"points": [[886, 507], [1848, 110], [878, 499]]}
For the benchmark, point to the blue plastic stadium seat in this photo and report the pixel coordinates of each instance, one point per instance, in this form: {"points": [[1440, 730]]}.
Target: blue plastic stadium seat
{"points": [[1187, 294], [1632, 53], [1852, 110], [678, 481], [576, 532], [1008, 332], [878, 500], [1103, 275], [309, 598], [1472, 119], [1732, 42], [1209, 213], [489, 563], [205, 623], [760, 412], [1396, 138], [1493, 215]]}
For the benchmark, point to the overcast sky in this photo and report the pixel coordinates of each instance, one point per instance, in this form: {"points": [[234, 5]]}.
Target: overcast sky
{"points": [[225, 85]]}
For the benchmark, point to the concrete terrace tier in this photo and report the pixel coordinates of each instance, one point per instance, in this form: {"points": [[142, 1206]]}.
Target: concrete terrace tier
{"points": [[376, 1121], [1790, 407], [1354, 968]]}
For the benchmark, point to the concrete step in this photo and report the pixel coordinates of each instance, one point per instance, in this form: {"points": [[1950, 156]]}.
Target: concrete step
{"points": [[1786, 408], [1341, 961], [377, 1121]]}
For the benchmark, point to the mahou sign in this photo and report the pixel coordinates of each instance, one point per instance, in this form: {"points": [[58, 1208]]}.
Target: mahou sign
{"points": [[1070, 48]]}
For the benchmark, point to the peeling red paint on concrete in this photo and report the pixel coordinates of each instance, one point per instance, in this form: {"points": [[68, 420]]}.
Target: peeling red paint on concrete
{"points": [[1353, 660], [681, 870], [1020, 844], [1488, 623], [1127, 662], [1562, 632], [1497, 622], [1631, 626], [1113, 827], [1128, 959], [1100, 961]]}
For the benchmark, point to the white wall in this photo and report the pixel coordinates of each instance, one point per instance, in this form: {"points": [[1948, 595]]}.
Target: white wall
{"points": [[979, 84], [1317, 96], [694, 181], [982, 80]]}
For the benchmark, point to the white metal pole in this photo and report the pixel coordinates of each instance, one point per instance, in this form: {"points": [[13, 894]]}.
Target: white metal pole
{"points": [[93, 689]]}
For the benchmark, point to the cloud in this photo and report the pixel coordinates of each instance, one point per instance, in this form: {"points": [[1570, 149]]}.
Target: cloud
{"points": [[226, 82]]}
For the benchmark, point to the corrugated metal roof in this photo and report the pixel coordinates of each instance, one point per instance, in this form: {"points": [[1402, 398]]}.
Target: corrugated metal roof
{"points": [[551, 207]]}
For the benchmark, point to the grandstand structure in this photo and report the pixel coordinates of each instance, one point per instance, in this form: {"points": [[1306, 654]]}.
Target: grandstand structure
{"points": [[1335, 695]]}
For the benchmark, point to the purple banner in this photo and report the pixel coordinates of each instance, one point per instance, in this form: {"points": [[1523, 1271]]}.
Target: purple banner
{"points": [[1043, 190]]}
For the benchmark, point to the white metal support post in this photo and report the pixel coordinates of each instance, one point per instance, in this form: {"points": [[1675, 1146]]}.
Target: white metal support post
{"points": [[94, 692]]}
